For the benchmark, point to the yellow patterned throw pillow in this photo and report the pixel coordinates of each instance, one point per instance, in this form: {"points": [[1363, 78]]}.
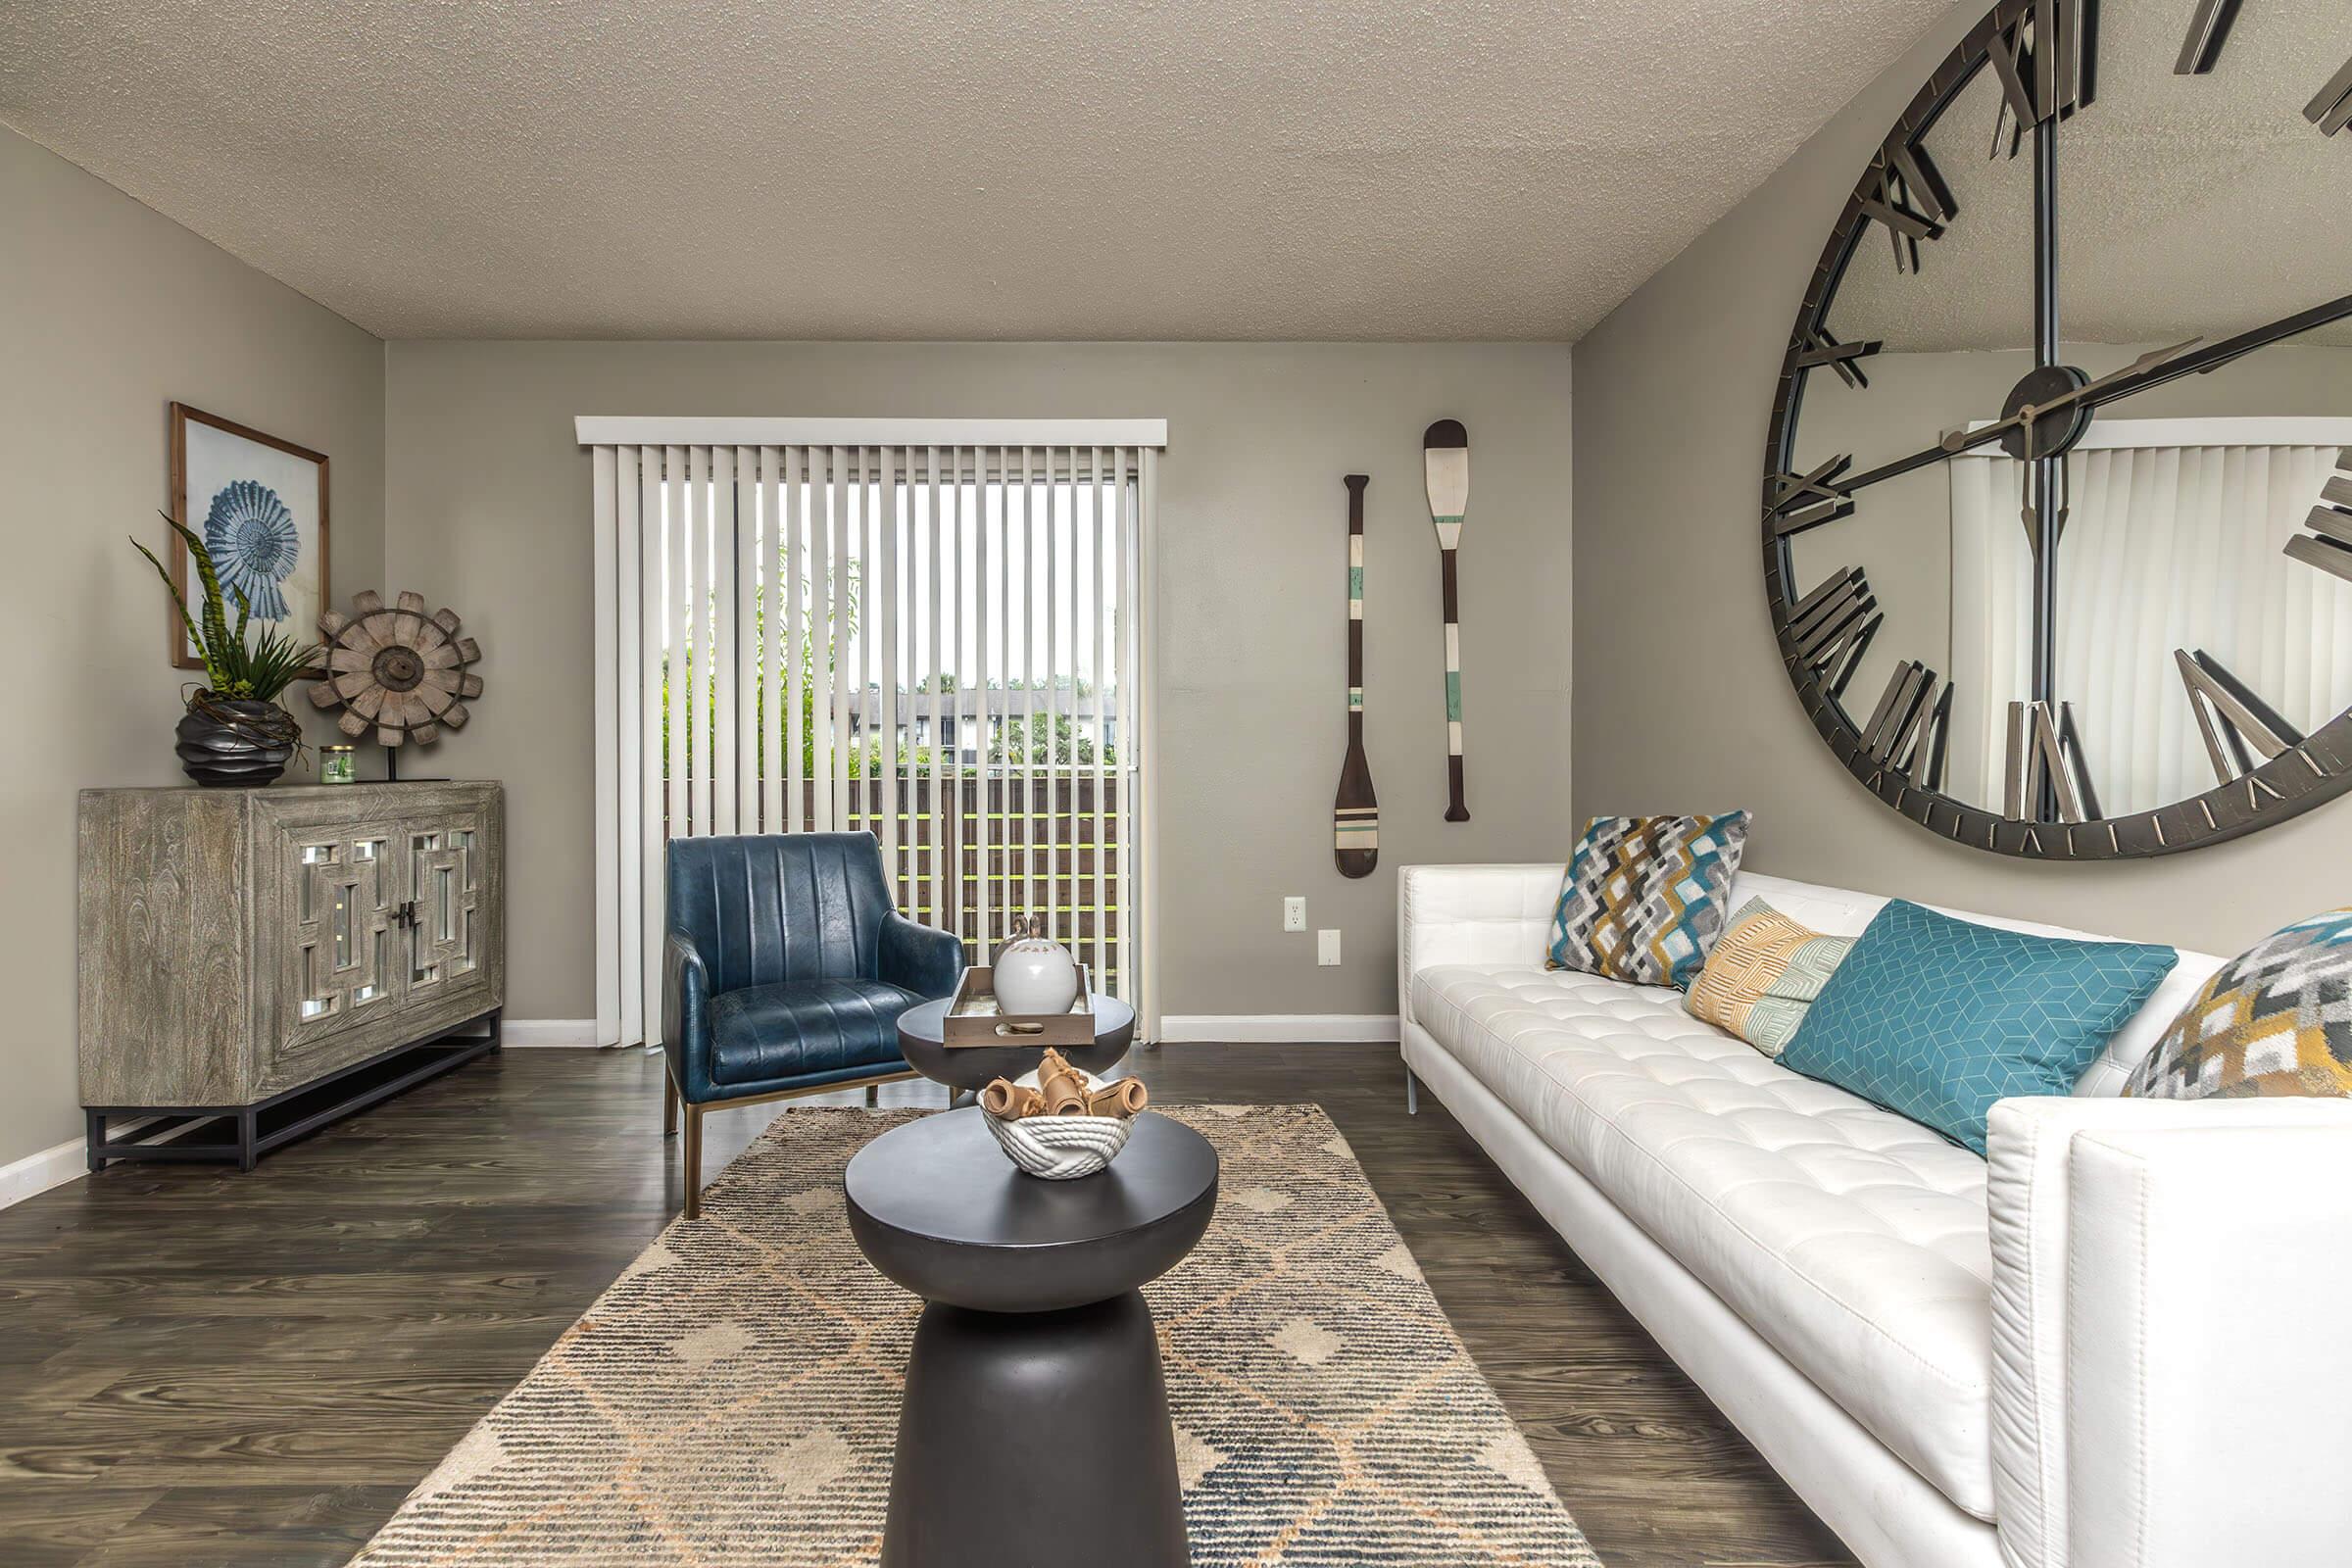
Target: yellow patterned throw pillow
{"points": [[2276, 1019], [1763, 975]]}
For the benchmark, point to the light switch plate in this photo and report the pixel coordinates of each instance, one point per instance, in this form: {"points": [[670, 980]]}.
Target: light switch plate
{"points": [[1293, 914], [1327, 949]]}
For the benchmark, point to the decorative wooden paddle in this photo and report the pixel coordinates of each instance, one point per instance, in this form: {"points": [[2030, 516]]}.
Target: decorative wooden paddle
{"points": [[1446, 464], [1356, 812]]}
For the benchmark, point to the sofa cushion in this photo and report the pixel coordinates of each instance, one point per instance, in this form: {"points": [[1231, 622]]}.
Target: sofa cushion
{"points": [[762, 1033], [1854, 1241], [1939, 1018]]}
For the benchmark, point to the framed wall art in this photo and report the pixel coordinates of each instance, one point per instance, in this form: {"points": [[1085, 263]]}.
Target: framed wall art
{"points": [[260, 505]]}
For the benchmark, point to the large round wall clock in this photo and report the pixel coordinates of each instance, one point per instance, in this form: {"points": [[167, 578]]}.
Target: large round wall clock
{"points": [[2057, 504]]}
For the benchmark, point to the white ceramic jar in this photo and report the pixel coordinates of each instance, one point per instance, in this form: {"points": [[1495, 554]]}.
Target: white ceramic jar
{"points": [[1035, 977]]}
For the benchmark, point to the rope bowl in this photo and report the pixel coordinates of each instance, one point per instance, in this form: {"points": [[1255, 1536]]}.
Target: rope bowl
{"points": [[1060, 1148]]}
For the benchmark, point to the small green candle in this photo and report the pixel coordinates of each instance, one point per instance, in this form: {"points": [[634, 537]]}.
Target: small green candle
{"points": [[338, 765]]}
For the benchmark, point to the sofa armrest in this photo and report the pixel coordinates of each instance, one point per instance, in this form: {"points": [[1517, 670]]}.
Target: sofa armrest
{"points": [[926, 961], [2207, 1413], [685, 1008], [2154, 1265], [1471, 914]]}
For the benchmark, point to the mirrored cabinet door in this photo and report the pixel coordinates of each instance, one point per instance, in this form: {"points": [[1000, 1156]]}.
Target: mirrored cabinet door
{"points": [[340, 954], [442, 949]]}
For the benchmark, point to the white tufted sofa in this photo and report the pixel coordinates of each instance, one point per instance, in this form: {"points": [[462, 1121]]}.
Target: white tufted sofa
{"points": [[2115, 1343]]}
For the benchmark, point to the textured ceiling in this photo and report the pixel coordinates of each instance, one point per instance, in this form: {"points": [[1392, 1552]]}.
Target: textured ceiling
{"points": [[2188, 206], [940, 169]]}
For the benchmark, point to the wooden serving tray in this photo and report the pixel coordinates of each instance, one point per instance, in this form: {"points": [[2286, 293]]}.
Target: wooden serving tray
{"points": [[972, 1018]]}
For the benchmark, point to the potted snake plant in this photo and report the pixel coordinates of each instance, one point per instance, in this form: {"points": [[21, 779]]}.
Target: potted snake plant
{"points": [[234, 732]]}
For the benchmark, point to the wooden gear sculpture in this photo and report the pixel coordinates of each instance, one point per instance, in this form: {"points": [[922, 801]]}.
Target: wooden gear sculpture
{"points": [[398, 672]]}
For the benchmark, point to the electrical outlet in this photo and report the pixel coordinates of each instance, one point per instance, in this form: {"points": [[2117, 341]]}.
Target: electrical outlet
{"points": [[1293, 914], [1327, 949]]}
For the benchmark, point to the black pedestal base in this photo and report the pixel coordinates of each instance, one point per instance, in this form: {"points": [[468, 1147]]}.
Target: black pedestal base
{"points": [[1036, 1439]]}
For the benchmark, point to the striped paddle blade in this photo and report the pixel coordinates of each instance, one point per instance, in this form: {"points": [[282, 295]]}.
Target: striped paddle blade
{"points": [[1445, 467], [1356, 812]]}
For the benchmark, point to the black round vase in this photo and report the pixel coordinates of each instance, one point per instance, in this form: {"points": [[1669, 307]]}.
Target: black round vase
{"points": [[214, 751]]}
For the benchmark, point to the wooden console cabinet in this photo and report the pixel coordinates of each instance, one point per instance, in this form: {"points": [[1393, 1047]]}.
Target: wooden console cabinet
{"points": [[258, 962]]}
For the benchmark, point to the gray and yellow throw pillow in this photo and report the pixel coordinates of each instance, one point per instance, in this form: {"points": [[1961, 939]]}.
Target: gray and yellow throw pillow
{"points": [[1763, 976], [1645, 897], [2276, 1019]]}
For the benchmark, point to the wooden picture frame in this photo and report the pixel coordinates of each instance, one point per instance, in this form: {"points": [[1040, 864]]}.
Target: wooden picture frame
{"points": [[306, 587]]}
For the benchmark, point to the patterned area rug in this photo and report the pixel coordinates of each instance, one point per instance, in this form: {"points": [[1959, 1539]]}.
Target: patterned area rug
{"points": [[732, 1399]]}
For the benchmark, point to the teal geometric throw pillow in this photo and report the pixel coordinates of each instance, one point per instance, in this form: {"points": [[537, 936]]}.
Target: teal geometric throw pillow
{"points": [[1935, 1018]]}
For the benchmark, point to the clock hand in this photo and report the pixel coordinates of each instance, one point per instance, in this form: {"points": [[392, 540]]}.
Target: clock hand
{"points": [[1803, 494], [2206, 361], [2031, 415]]}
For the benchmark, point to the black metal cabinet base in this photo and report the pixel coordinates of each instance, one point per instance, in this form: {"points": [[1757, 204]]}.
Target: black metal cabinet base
{"points": [[242, 1134], [1005, 1409]]}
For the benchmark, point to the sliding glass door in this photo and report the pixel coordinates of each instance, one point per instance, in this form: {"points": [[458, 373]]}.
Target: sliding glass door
{"points": [[938, 643]]}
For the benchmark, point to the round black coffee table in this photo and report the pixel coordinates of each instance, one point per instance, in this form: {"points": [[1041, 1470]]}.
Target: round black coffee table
{"points": [[968, 1069], [1034, 1432]]}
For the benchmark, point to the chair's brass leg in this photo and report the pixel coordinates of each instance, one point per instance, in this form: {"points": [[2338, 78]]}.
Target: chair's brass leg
{"points": [[669, 1104], [694, 1161], [873, 1096]]}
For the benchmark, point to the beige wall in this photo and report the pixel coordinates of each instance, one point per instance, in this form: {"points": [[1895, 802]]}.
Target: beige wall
{"points": [[109, 312], [1686, 707], [489, 499]]}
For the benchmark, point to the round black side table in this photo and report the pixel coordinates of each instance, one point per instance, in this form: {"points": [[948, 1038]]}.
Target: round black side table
{"points": [[967, 1069], [1034, 1432]]}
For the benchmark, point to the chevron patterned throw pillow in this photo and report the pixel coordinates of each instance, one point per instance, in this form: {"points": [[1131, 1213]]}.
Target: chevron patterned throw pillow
{"points": [[1645, 897]]}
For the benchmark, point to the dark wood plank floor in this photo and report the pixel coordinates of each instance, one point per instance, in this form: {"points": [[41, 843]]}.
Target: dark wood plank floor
{"points": [[199, 1368]]}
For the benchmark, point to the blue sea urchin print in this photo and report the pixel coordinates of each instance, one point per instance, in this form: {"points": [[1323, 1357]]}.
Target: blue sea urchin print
{"points": [[250, 535]]}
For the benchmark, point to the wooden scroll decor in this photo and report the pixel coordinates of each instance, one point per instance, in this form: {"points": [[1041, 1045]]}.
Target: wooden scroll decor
{"points": [[1061, 1091], [1445, 464], [1356, 812]]}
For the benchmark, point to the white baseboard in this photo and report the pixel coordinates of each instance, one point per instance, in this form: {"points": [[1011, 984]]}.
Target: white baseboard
{"points": [[548, 1032], [1279, 1028], [36, 1173]]}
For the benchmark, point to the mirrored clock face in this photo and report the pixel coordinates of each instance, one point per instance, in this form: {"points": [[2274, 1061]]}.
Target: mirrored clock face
{"points": [[2058, 495]]}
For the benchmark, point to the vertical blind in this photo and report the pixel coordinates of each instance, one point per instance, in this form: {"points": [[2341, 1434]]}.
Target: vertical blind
{"points": [[932, 631], [2175, 538]]}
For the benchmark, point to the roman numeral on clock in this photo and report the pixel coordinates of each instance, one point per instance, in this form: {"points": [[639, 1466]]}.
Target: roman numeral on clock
{"points": [[2234, 722], [1807, 501], [1908, 726], [2328, 545], [2208, 30], [1817, 348], [2041, 61], [1905, 194], [2046, 751], [1832, 626], [2332, 110]]}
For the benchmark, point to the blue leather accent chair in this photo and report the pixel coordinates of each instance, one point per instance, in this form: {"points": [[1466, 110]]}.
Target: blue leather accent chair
{"points": [[784, 973]]}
